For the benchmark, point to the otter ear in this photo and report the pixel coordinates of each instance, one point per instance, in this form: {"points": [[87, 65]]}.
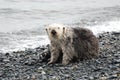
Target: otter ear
{"points": [[46, 30], [46, 27], [63, 30]]}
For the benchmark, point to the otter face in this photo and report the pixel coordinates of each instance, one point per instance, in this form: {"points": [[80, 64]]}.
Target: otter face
{"points": [[55, 31]]}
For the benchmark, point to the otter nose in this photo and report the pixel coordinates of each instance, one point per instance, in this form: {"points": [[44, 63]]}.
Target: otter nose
{"points": [[53, 32]]}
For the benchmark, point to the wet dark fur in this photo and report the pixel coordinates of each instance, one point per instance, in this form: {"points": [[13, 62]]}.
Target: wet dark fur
{"points": [[85, 43]]}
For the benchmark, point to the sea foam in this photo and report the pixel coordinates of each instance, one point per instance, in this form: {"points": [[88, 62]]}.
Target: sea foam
{"points": [[111, 26], [36, 41]]}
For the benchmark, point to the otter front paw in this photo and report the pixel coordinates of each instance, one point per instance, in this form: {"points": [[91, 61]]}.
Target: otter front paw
{"points": [[50, 62], [65, 62]]}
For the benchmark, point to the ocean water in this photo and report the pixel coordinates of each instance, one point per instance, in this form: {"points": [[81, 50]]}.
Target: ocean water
{"points": [[22, 21]]}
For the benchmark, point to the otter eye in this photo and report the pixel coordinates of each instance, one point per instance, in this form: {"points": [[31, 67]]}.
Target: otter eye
{"points": [[46, 29], [63, 27]]}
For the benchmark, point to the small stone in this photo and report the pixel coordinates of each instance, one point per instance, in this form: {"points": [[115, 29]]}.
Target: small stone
{"points": [[118, 74], [33, 77], [1, 59], [44, 77], [116, 61], [67, 75], [6, 60], [28, 77], [1, 73], [97, 69], [113, 76], [7, 54], [40, 69], [54, 77], [74, 67], [116, 33], [117, 55], [103, 78], [113, 67], [7, 65], [91, 78], [30, 62], [43, 72]]}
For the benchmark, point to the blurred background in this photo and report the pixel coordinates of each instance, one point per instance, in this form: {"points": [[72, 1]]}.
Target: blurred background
{"points": [[22, 22]]}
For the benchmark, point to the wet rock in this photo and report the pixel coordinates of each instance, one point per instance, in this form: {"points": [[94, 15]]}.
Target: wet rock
{"points": [[74, 67], [7, 65], [116, 61], [103, 78], [116, 33], [91, 78], [56, 78], [30, 62], [7, 54], [1, 73], [118, 74], [40, 69], [44, 77], [1, 59], [113, 77], [33, 77], [6, 60]]}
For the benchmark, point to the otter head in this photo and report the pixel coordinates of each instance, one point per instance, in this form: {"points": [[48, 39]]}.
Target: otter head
{"points": [[55, 31]]}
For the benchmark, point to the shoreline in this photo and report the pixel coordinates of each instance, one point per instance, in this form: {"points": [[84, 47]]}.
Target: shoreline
{"points": [[27, 65]]}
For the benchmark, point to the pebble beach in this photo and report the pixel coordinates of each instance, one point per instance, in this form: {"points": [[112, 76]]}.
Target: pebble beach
{"points": [[28, 65]]}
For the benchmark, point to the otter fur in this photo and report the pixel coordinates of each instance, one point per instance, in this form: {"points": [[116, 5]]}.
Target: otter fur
{"points": [[71, 43]]}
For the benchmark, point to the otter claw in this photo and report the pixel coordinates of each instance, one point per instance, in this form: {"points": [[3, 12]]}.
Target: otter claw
{"points": [[65, 63], [50, 62]]}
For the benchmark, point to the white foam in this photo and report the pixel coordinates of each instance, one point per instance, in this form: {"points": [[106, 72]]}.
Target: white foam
{"points": [[36, 41], [106, 27], [31, 43]]}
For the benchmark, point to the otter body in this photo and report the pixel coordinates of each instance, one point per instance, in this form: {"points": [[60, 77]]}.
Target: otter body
{"points": [[71, 43]]}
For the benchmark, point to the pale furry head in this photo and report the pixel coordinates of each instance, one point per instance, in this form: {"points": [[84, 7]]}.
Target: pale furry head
{"points": [[55, 31]]}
